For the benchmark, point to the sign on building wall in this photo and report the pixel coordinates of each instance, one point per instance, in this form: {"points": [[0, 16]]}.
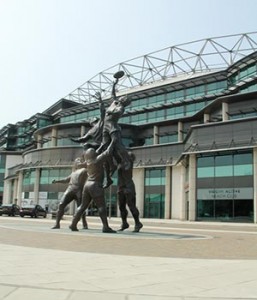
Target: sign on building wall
{"points": [[42, 195], [225, 194]]}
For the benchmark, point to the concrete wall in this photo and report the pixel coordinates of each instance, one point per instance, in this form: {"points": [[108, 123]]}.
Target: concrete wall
{"points": [[139, 180], [177, 192], [11, 161]]}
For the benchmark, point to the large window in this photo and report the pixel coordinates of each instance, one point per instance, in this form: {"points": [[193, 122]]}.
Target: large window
{"points": [[43, 122], [48, 175], [29, 177], [192, 108], [148, 140], [177, 97], [244, 73], [154, 193], [81, 116], [225, 187], [175, 112], [168, 138]]}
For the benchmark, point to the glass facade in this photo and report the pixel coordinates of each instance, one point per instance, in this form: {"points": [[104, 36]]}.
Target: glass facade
{"points": [[175, 112], [48, 175], [87, 115], [175, 97], [43, 123], [225, 187], [168, 138], [248, 89], [149, 141], [28, 182], [154, 201], [64, 142], [243, 73]]}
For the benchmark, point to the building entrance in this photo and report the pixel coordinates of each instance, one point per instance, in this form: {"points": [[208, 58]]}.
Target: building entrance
{"points": [[154, 193], [225, 187]]}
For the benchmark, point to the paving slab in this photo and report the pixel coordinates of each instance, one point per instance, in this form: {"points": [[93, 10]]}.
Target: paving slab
{"points": [[37, 261]]}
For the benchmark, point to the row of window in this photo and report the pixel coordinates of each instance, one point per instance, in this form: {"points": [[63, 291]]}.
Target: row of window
{"points": [[173, 97], [248, 89], [225, 165], [244, 73], [154, 188], [43, 123], [164, 114], [86, 115], [179, 95], [26, 128], [243, 115], [226, 203], [153, 116], [225, 210], [46, 176]]}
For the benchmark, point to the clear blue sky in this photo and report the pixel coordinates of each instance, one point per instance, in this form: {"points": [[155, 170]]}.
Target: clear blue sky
{"points": [[48, 48]]}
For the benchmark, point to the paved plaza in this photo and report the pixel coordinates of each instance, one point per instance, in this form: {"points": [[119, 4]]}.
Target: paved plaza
{"points": [[166, 260]]}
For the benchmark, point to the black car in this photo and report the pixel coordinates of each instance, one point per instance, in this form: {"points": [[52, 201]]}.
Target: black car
{"points": [[33, 211], [9, 209]]}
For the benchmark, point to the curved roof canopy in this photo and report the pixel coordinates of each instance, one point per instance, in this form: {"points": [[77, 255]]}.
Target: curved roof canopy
{"points": [[197, 57]]}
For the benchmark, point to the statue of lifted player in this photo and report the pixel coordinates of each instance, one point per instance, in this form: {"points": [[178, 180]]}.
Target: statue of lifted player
{"points": [[111, 132], [93, 139]]}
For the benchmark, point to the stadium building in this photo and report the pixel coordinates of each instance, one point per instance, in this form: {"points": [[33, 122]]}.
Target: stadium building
{"points": [[192, 125]]}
